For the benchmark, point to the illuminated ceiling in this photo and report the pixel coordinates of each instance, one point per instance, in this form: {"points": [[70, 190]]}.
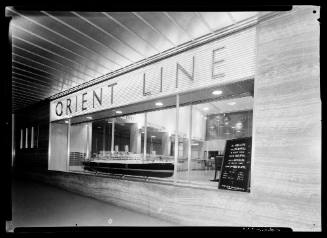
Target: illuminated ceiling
{"points": [[55, 51]]}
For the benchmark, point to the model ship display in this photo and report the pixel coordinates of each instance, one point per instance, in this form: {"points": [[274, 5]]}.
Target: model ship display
{"points": [[126, 163]]}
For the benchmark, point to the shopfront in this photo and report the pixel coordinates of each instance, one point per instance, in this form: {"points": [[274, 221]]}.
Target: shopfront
{"points": [[177, 114], [154, 138]]}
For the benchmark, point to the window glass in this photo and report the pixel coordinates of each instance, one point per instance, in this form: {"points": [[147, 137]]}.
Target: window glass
{"points": [[161, 126], [80, 145], [127, 134], [32, 137], [213, 123], [184, 131], [26, 138], [101, 137], [59, 146], [21, 138]]}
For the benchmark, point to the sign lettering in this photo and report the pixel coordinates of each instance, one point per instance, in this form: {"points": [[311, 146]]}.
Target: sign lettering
{"points": [[226, 60]]}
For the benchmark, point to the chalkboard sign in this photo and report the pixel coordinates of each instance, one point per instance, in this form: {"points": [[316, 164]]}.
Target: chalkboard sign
{"points": [[235, 171]]}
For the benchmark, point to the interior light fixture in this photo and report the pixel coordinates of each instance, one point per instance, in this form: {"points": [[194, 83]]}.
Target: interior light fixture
{"points": [[66, 121], [159, 104], [206, 109], [217, 92], [153, 136], [231, 103], [119, 112], [89, 117]]}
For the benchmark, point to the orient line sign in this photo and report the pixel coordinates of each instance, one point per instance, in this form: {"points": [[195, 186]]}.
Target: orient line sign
{"points": [[225, 60]]}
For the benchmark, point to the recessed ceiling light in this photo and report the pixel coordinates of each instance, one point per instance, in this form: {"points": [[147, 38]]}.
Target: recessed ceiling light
{"points": [[66, 121], [217, 92], [99, 127], [195, 144], [206, 109], [119, 112], [89, 118], [153, 136], [159, 104], [231, 103]]}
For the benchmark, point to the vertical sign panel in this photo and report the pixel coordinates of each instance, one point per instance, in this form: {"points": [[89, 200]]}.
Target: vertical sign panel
{"points": [[235, 172]]}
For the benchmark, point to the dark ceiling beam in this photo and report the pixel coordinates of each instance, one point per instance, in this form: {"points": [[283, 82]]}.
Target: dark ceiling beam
{"points": [[67, 38], [33, 80], [87, 36], [153, 28], [131, 31], [19, 79], [38, 69], [19, 105], [26, 93], [59, 46], [110, 35], [38, 90], [28, 59], [18, 101], [19, 97], [22, 102], [25, 97], [54, 61], [61, 56], [50, 82]]}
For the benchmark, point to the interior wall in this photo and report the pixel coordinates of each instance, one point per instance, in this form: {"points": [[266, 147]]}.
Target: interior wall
{"points": [[167, 118], [286, 166], [78, 138], [213, 145], [58, 147]]}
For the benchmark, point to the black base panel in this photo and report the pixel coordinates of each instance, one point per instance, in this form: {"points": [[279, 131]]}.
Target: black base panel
{"points": [[147, 170]]}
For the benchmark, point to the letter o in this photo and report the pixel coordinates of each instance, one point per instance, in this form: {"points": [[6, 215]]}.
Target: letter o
{"points": [[59, 114]]}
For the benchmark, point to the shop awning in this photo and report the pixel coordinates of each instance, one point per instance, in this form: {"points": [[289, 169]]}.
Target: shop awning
{"points": [[56, 51]]}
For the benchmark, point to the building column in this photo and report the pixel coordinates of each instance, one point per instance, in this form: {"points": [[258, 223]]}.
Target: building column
{"points": [[165, 143], [135, 139], [286, 147]]}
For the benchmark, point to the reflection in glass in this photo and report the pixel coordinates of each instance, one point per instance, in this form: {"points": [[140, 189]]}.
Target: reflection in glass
{"points": [[101, 137], [80, 146], [160, 134]]}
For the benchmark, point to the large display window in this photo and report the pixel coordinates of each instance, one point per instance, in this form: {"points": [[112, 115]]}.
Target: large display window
{"points": [[180, 138], [204, 129]]}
